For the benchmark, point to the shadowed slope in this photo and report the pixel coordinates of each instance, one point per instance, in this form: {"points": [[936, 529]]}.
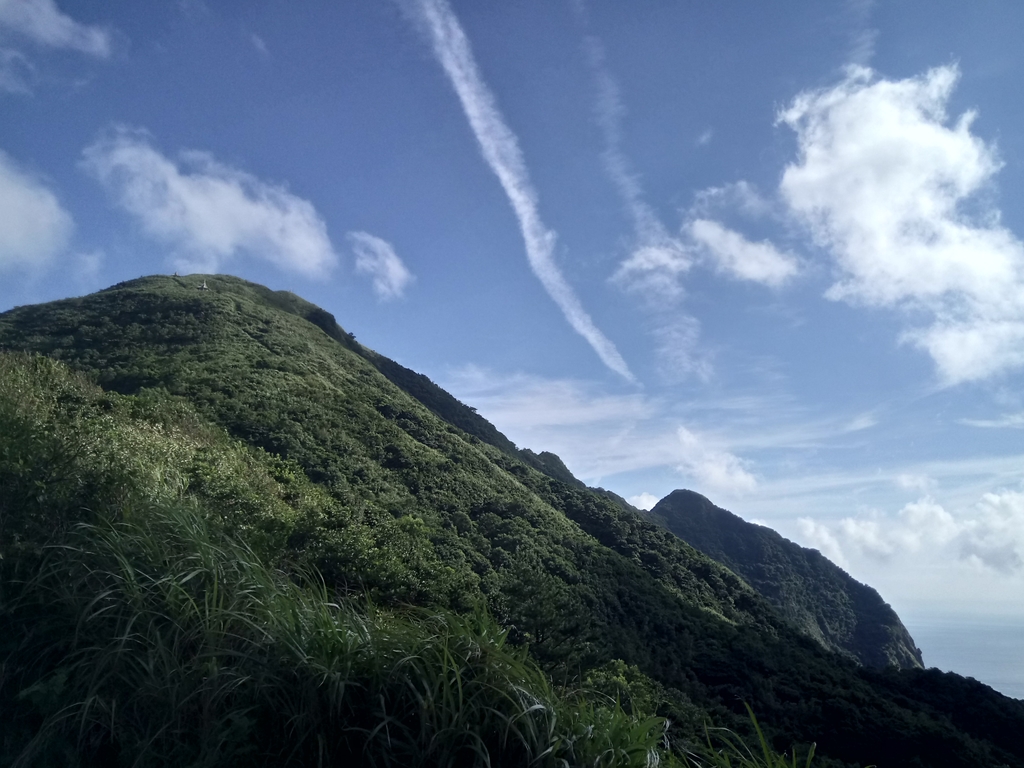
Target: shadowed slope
{"points": [[815, 594]]}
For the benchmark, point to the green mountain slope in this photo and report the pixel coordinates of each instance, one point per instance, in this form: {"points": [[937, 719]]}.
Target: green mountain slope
{"points": [[142, 621], [817, 596], [394, 493]]}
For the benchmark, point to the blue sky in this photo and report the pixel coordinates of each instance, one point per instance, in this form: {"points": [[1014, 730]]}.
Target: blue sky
{"points": [[770, 252]]}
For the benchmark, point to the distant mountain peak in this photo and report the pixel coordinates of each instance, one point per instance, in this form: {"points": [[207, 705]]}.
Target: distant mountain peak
{"points": [[817, 596]]}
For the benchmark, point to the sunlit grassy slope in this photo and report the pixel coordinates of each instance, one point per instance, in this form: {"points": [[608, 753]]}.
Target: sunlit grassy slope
{"points": [[142, 623], [334, 460]]}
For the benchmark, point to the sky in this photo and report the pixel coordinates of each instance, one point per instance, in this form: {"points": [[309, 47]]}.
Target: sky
{"points": [[770, 252]]}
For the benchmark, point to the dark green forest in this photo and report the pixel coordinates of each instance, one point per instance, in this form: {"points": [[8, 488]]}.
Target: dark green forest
{"points": [[810, 591], [230, 534]]}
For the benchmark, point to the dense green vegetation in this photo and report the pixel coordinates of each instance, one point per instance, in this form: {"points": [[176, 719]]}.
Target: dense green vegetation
{"points": [[724, 749], [813, 593], [286, 438], [137, 631]]}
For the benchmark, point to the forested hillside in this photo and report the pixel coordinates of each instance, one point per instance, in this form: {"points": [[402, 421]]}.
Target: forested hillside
{"points": [[267, 422], [813, 593]]}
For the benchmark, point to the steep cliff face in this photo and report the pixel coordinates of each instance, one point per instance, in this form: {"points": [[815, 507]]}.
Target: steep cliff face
{"points": [[813, 593]]}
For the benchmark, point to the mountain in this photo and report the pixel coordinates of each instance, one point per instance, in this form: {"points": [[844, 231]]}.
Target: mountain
{"points": [[810, 591], [256, 411]]}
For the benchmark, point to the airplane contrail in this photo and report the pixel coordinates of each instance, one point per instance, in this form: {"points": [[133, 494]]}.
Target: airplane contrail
{"points": [[501, 151]]}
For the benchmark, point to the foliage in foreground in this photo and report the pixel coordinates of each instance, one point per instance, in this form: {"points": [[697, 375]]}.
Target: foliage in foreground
{"points": [[728, 750], [155, 642], [141, 621]]}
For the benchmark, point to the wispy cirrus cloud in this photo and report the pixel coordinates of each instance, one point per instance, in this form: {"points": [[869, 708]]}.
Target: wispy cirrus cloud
{"points": [[1006, 421], [42, 22], [16, 71], [912, 481], [677, 345], [501, 151], [376, 258], [207, 211], [660, 259], [741, 196], [712, 444], [259, 44], [883, 182], [36, 227], [863, 37], [657, 258]]}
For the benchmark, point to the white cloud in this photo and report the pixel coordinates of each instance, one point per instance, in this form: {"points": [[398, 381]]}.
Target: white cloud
{"points": [[925, 523], [713, 467], [734, 254], [1009, 420], [16, 71], [995, 536], [501, 151], [653, 270], [36, 228], [862, 36], [602, 434], [377, 259], [820, 538], [657, 265], [740, 195], [705, 138], [914, 482], [868, 536], [861, 422], [918, 524], [259, 44], [87, 266], [881, 182], [657, 259], [644, 500], [207, 211], [43, 22], [530, 401], [678, 353], [989, 535], [972, 347], [595, 432]]}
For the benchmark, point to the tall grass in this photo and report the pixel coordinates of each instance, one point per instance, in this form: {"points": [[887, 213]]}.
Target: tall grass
{"points": [[154, 641], [724, 748]]}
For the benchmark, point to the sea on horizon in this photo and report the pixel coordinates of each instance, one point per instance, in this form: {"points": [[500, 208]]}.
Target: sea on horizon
{"points": [[988, 650]]}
